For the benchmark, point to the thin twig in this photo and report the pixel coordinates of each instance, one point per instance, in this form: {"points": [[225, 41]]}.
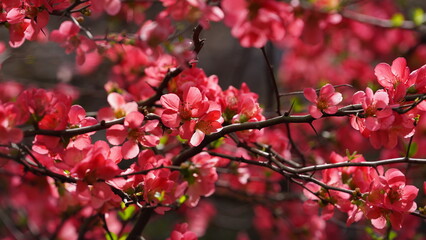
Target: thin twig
{"points": [[274, 81]]}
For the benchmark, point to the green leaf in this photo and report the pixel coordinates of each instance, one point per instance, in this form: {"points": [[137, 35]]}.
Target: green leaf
{"points": [[124, 237], [217, 143], [413, 149], [392, 235], [298, 105], [160, 196], [397, 20], [164, 139], [111, 236], [182, 199], [418, 16], [127, 213]]}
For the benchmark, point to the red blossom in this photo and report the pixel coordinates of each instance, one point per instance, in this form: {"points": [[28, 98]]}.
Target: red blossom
{"points": [[394, 78], [325, 102], [192, 115], [254, 22], [68, 36], [119, 107], [10, 118], [181, 232], [390, 199], [136, 132], [201, 176]]}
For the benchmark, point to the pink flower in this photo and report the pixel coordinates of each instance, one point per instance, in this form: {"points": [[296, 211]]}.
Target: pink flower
{"points": [[153, 33], [340, 200], [394, 78], [162, 187], [19, 32], [201, 177], [97, 163], [119, 107], [193, 10], [390, 199], [418, 78], [99, 196], [10, 117], [200, 217], [239, 106], [325, 102], [77, 118], [378, 114], [254, 22], [111, 7], [15, 15], [136, 132], [48, 109], [9, 90], [68, 36], [192, 115], [195, 130], [181, 232], [192, 106], [380, 123]]}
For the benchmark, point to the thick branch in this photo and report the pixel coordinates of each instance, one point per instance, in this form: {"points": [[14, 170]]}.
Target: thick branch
{"points": [[140, 224]]}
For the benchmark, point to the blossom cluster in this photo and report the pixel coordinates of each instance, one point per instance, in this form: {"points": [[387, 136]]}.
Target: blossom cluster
{"points": [[383, 196], [169, 135]]}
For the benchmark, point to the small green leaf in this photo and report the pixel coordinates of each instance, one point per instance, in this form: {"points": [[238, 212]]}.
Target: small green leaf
{"points": [[164, 139], [397, 20], [111, 236], [124, 237], [178, 137], [418, 16], [217, 143], [298, 105], [127, 213], [159, 196], [182, 199], [392, 235], [413, 149]]}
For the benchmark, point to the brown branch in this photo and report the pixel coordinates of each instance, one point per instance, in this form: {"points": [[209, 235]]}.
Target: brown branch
{"points": [[74, 131], [316, 90], [142, 221], [144, 172], [274, 81], [379, 22]]}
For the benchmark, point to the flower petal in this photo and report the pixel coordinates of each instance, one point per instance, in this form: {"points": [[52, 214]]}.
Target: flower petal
{"points": [[130, 149]]}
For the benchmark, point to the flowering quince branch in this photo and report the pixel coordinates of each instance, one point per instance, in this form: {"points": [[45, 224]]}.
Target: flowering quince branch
{"points": [[173, 136], [344, 111]]}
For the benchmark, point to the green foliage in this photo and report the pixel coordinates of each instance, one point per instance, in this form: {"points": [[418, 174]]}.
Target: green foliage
{"points": [[127, 212], [397, 20], [413, 149], [391, 235], [298, 106], [418, 16], [217, 143], [113, 236]]}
